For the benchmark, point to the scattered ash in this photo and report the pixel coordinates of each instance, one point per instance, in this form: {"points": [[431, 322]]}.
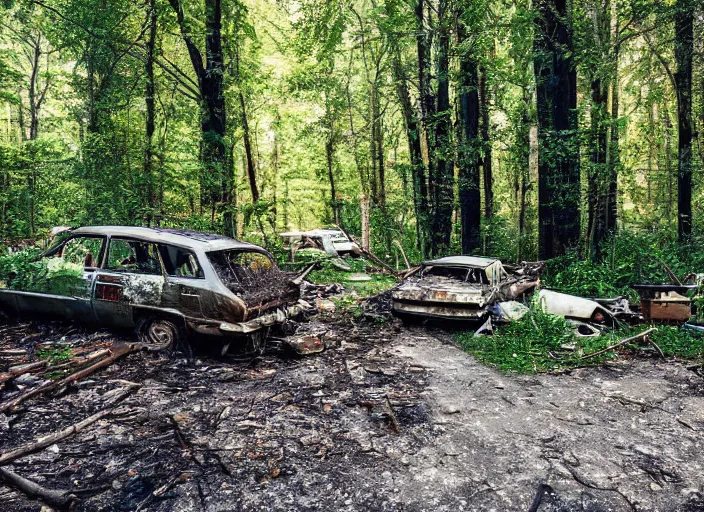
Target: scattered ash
{"points": [[275, 432], [311, 291], [380, 304]]}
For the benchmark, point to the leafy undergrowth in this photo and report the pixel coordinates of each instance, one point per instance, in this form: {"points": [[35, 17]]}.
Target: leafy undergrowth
{"points": [[330, 274], [25, 271], [540, 342], [627, 258]]}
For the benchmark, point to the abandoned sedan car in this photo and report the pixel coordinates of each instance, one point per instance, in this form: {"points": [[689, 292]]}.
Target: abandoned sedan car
{"points": [[163, 282], [460, 288]]}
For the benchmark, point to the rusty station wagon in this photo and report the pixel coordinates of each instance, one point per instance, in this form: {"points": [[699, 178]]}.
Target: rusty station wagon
{"points": [[166, 283]]}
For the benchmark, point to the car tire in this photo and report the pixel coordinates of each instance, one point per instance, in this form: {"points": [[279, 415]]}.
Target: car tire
{"points": [[257, 341], [159, 334]]}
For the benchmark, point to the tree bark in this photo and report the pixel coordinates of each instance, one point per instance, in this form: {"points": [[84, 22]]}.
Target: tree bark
{"points": [[210, 84], [558, 180], [251, 169], [486, 146], [148, 168], [469, 151], [684, 48], [444, 178], [599, 177], [424, 40], [413, 138]]}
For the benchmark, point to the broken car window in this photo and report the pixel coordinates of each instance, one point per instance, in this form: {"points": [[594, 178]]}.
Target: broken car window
{"points": [[241, 270], [464, 274], [180, 262], [134, 257], [83, 251]]}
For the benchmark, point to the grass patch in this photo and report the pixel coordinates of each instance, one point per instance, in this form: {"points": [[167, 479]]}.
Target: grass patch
{"points": [[541, 343], [55, 354], [329, 274]]}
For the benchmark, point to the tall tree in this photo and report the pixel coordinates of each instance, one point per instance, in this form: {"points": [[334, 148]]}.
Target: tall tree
{"points": [[556, 91], [469, 144], [443, 181], [684, 49], [209, 74], [149, 124]]}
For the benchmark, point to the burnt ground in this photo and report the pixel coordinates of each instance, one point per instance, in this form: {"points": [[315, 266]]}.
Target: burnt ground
{"points": [[386, 418]]}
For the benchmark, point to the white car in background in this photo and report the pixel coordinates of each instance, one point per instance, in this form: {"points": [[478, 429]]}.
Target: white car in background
{"points": [[333, 241]]}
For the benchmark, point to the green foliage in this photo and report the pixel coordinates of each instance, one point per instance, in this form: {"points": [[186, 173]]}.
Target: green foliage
{"points": [[629, 258], [55, 353], [330, 274], [540, 342], [523, 346], [26, 271]]}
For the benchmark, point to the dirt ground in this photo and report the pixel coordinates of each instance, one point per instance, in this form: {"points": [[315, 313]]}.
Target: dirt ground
{"points": [[387, 418]]}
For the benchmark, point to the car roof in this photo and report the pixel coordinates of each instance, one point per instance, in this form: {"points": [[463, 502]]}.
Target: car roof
{"points": [[182, 237], [319, 232], [461, 261]]}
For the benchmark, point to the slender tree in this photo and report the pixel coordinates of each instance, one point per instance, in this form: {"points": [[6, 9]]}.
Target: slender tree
{"points": [[684, 49]]}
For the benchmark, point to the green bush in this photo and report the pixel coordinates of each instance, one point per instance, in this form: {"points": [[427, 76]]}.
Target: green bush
{"points": [[25, 270]]}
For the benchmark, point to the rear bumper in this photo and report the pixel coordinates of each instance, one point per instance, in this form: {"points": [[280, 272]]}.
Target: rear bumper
{"points": [[439, 310], [276, 317]]}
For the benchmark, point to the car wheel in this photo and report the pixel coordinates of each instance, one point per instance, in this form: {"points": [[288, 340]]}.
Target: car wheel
{"points": [[160, 334], [256, 341]]}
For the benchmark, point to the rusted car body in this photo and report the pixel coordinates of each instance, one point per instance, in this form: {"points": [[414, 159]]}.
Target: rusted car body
{"points": [[460, 288], [331, 241], [163, 280]]}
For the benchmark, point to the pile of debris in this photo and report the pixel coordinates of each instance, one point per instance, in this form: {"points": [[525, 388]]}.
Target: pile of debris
{"points": [[153, 433]]}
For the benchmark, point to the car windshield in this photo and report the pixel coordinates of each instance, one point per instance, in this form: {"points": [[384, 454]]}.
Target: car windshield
{"points": [[463, 274]]}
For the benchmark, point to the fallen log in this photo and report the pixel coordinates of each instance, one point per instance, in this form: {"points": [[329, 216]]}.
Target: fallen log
{"points": [[54, 498], [115, 352], [622, 342], [16, 371], [50, 439], [371, 256]]}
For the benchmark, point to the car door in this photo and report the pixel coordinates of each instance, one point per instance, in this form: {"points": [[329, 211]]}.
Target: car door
{"points": [[131, 278], [185, 287], [63, 297]]}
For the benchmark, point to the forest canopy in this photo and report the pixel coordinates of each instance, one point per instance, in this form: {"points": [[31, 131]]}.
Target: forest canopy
{"points": [[521, 129]]}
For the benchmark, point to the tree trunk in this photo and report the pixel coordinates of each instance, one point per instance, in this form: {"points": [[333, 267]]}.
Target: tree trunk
{"points": [[213, 113], [330, 160], [413, 137], [684, 48], [667, 128], [556, 90], [364, 213], [486, 146], [251, 169], [33, 80], [469, 151], [149, 93], [444, 178], [424, 39], [599, 179]]}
